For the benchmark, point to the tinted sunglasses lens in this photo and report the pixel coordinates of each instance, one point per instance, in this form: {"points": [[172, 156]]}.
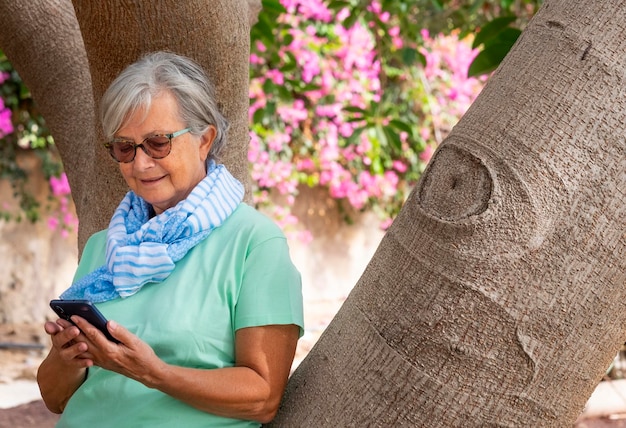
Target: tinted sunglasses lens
{"points": [[158, 146], [122, 151]]}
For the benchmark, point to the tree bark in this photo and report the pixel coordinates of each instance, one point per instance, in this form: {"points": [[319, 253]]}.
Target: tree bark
{"points": [[497, 296], [44, 44], [254, 7]]}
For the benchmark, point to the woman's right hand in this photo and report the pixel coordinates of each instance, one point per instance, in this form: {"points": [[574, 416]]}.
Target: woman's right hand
{"points": [[63, 370], [63, 334]]}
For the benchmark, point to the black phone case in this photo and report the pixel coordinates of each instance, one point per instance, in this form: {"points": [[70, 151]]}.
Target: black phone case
{"points": [[85, 309]]}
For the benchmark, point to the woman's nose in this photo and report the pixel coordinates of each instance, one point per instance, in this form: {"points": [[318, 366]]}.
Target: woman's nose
{"points": [[142, 160]]}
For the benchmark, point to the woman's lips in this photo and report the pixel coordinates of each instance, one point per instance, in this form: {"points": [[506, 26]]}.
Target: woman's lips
{"points": [[150, 181]]}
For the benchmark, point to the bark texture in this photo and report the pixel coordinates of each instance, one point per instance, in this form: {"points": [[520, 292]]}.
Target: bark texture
{"points": [[497, 297], [213, 32], [44, 44]]}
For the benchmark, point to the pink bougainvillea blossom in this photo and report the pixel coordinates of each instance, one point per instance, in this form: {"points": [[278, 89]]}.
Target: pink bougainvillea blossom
{"points": [[53, 223], [427, 153], [60, 186], [314, 137], [6, 126], [399, 166]]}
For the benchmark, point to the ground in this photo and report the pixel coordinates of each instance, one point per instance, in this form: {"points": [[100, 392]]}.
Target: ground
{"points": [[22, 347]]}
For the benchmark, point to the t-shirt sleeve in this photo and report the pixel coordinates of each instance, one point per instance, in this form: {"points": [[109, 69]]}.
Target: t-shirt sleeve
{"points": [[271, 289]]}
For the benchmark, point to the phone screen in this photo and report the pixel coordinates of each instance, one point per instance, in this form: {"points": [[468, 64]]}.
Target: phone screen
{"points": [[85, 309]]}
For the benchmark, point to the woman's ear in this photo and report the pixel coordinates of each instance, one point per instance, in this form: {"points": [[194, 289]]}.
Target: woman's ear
{"points": [[206, 141]]}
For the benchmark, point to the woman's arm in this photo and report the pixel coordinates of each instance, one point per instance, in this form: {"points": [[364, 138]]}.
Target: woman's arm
{"points": [[63, 370], [251, 390]]}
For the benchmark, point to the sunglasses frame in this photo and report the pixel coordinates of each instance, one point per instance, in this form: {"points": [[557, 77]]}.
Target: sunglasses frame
{"points": [[110, 145]]}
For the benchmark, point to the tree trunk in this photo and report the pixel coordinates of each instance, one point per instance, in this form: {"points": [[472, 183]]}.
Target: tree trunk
{"points": [[497, 296], [44, 44]]}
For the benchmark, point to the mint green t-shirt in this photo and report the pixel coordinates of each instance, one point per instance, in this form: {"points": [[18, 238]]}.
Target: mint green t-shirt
{"points": [[240, 276]]}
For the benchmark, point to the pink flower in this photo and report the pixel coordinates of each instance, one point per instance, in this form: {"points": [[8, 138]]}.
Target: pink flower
{"points": [[6, 126], [255, 59], [293, 115], [358, 199], [386, 224], [399, 166], [53, 223], [70, 220], [260, 47], [427, 154], [305, 164], [60, 186], [276, 76]]}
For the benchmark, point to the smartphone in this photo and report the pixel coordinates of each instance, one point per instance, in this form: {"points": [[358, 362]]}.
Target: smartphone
{"points": [[83, 308]]}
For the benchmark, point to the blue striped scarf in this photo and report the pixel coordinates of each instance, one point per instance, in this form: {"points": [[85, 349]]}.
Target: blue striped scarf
{"points": [[141, 249]]}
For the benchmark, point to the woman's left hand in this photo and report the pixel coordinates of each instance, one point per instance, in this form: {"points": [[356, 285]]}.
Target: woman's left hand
{"points": [[132, 357]]}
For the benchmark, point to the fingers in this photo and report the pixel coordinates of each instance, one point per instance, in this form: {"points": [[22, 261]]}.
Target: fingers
{"points": [[52, 328], [73, 352], [120, 333], [65, 338], [61, 337], [92, 333]]}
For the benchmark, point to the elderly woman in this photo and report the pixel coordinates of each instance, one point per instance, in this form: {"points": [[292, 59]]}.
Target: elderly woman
{"points": [[199, 287]]}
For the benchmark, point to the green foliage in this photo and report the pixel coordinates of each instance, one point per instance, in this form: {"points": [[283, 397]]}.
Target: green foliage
{"points": [[263, 30], [497, 36], [496, 39], [29, 134]]}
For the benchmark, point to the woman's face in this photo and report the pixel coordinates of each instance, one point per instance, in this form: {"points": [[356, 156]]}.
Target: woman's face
{"points": [[164, 182]]}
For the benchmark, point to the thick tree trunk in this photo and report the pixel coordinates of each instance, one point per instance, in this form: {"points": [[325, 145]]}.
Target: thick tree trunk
{"points": [[497, 297], [44, 44], [213, 32]]}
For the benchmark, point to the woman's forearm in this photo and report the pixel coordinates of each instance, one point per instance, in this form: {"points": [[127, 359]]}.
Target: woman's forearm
{"points": [[234, 392]]}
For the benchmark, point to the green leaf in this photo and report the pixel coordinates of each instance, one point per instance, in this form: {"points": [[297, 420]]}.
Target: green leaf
{"points": [[411, 55], [273, 6], [350, 20], [488, 59], [476, 6], [402, 126], [381, 136], [284, 93], [354, 109], [269, 87], [492, 29], [338, 5], [263, 30], [438, 5], [507, 36], [393, 138]]}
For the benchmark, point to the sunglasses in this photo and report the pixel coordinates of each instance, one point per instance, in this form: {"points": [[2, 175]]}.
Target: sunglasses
{"points": [[155, 146]]}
